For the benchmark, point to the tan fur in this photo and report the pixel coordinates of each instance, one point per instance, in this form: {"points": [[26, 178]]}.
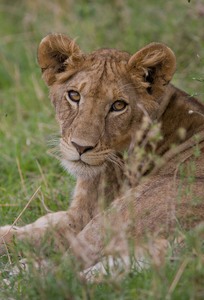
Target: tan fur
{"points": [[160, 202]]}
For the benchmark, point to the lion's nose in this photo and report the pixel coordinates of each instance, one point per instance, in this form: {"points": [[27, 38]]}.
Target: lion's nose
{"points": [[82, 149]]}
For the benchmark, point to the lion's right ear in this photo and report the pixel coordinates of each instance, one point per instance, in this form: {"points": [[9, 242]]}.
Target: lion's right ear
{"points": [[55, 52], [152, 68]]}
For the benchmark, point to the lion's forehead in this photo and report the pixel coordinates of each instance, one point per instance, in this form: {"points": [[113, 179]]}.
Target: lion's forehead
{"points": [[101, 76]]}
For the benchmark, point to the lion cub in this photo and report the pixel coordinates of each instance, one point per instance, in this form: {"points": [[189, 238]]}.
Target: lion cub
{"points": [[100, 101]]}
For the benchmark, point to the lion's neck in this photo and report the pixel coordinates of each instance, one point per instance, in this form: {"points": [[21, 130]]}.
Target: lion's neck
{"points": [[181, 118]]}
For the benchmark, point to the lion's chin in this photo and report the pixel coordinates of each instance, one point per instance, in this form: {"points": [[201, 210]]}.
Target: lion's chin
{"points": [[81, 169]]}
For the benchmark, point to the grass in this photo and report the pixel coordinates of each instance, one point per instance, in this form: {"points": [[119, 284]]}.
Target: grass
{"points": [[27, 123]]}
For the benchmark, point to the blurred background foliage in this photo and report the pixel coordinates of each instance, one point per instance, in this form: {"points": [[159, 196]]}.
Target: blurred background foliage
{"points": [[27, 123]]}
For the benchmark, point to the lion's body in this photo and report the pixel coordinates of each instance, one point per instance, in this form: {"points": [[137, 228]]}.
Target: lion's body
{"points": [[100, 101]]}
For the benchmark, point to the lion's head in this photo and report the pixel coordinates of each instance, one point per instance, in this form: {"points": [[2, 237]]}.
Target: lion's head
{"points": [[100, 97]]}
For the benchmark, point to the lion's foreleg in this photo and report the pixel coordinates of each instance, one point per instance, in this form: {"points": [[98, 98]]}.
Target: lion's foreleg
{"points": [[56, 227], [59, 227]]}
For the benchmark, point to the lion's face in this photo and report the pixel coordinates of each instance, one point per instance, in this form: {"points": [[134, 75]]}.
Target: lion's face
{"points": [[99, 100], [95, 110]]}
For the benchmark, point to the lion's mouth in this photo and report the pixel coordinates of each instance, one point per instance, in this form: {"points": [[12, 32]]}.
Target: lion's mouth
{"points": [[87, 159], [89, 163], [81, 168]]}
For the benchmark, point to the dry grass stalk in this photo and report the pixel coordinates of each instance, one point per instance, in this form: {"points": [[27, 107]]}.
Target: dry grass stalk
{"points": [[21, 213]]}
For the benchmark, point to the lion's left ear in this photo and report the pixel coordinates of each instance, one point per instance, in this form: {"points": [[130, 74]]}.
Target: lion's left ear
{"points": [[152, 68], [56, 53]]}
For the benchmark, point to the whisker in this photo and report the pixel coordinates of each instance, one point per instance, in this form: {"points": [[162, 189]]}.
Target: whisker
{"points": [[113, 154], [53, 140], [99, 153], [55, 152], [112, 157], [53, 146], [115, 162]]}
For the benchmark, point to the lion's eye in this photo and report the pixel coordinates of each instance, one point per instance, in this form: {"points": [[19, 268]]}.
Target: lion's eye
{"points": [[74, 96], [118, 105]]}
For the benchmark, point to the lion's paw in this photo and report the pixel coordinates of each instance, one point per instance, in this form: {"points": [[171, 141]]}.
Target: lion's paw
{"points": [[6, 237]]}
